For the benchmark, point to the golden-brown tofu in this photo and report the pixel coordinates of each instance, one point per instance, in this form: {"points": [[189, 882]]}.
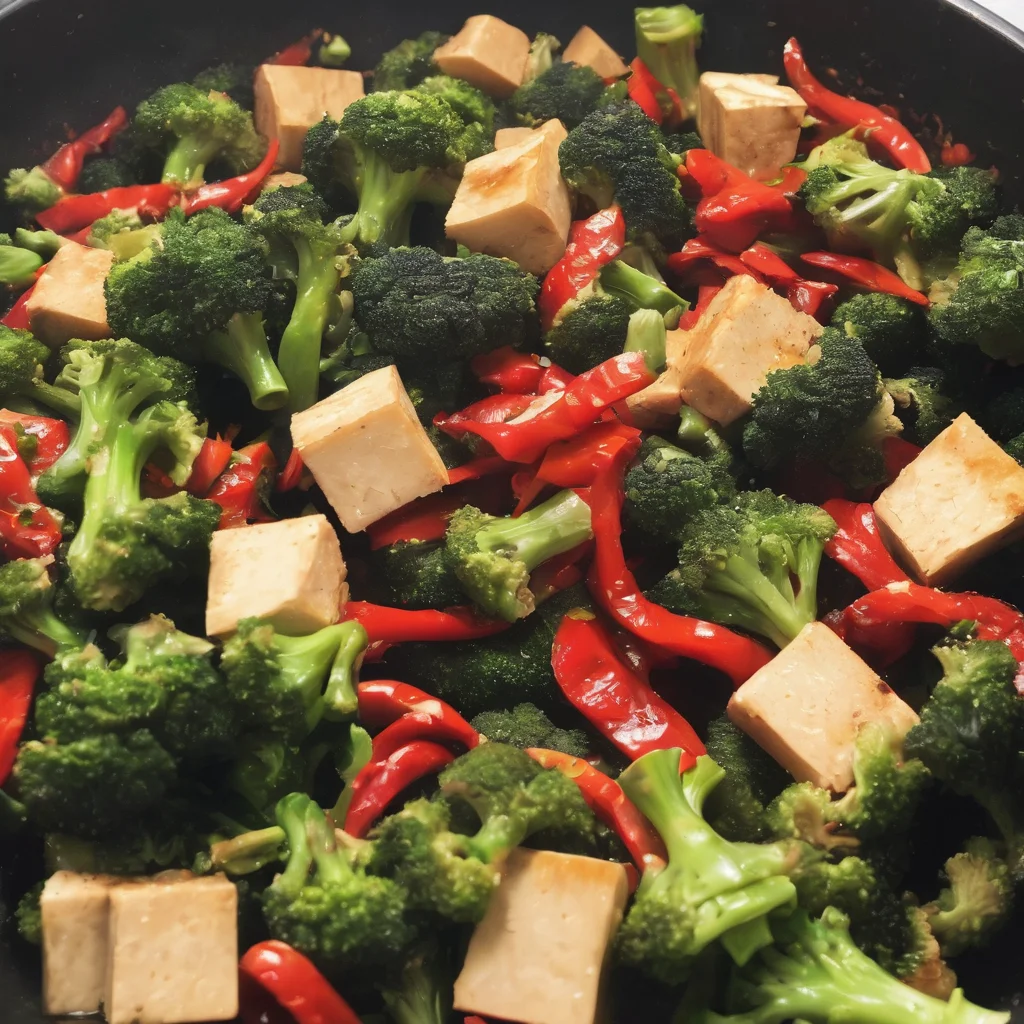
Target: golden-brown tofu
{"points": [[959, 500], [283, 179], [173, 951], [68, 300], [659, 403], [289, 572], [806, 706], [750, 121], [505, 137], [290, 100], [537, 957], [514, 203], [367, 449], [746, 332], [589, 49], [488, 53]]}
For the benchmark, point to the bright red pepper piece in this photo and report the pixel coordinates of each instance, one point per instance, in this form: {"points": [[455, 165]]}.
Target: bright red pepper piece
{"points": [[213, 459], [27, 527], [559, 573], [51, 437], [17, 316], [642, 88], [701, 248], [383, 701], [298, 53], [857, 545], [19, 670], [290, 477], [806, 296], [74, 212], [231, 195], [64, 167], [575, 462], [292, 981], [872, 276], [478, 468], [898, 453], [439, 725], [883, 129], [399, 625], [516, 373], [705, 294], [242, 488], [956, 155]]}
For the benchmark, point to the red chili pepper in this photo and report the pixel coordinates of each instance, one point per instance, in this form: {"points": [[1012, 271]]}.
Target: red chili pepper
{"points": [[64, 167], [857, 545], [806, 296], [299, 53], [383, 701], [379, 782], [615, 589], [643, 88], [441, 728], [592, 243], [74, 212], [231, 195], [574, 463], [554, 378], [294, 984], [956, 155], [881, 128], [559, 573], [19, 670], [583, 401], [607, 800], [242, 488], [898, 453], [477, 468], [868, 275], [701, 248], [213, 459], [399, 625], [513, 372], [705, 294], [27, 527], [51, 437], [290, 477], [17, 315]]}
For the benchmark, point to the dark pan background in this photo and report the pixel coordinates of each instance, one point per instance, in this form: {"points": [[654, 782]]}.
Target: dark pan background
{"points": [[69, 62]]}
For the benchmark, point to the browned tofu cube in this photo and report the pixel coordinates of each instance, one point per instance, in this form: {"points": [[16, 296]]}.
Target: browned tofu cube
{"points": [[589, 49], [68, 300], [488, 53]]}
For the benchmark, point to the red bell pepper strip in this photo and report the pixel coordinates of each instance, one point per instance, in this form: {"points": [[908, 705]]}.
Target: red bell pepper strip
{"points": [[74, 212], [379, 782], [291, 476], [516, 373], [19, 670], [64, 167], [872, 276], [476, 469], [592, 243], [440, 727], [806, 296], [883, 129], [607, 800], [17, 316], [857, 545], [559, 573], [574, 463], [399, 625], [383, 701], [299, 52], [554, 378], [705, 294], [27, 527], [643, 88], [231, 195], [51, 437], [213, 459], [292, 981], [701, 248], [898, 453], [956, 155], [615, 589], [241, 489]]}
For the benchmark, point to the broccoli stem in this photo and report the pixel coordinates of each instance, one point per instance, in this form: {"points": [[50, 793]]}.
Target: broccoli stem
{"points": [[349, 762], [646, 334], [242, 348], [44, 632], [291, 813], [248, 852], [299, 354], [666, 41], [305, 661], [386, 198], [187, 160], [341, 698], [67, 403], [808, 561], [643, 291]]}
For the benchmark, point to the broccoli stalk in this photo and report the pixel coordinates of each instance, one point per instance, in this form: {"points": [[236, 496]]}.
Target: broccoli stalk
{"points": [[21, 373], [17, 266], [667, 39], [26, 608], [642, 290], [493, 556], [646, 334], [241, 348]]}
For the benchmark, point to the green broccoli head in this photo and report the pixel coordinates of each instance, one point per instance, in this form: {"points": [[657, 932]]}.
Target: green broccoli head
{"points": [[31, 191], [105, 172], [26, 607], [526, 726], [21, 373], [891, 330], [590, 329], [417, 574], [233, 79], [922, 398], [472, 105], [411, 61], [939, 220], [566, 91], [30, 917]]}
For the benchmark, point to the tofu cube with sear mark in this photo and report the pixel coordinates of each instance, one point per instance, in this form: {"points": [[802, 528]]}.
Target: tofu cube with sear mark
{"points": [[587, 48], [68, 301], [959, 500], [806, 706], [488, 53], [290, 573], [367, 449]]}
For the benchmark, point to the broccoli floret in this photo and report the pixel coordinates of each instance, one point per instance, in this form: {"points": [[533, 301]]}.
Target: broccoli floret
{"points": [[472, 105], [710, 889], [44, 243], [197, 294], [492, 556], [26, 607], [589, 329], [921, 397], [422, 994], [891, 330], [31, 191], [834, 410], [417, 574], [334, 52], [617, 154], [17, 266], [326, 906], [752, 563], [526, 726], [233, 79], [294, 217], [420, 307], [21, 373], [286, 684], [667, 485], [123, 233], [667, 40], [408, 63], [192, 127], [105, 172], [566, 91], [29, 916]]}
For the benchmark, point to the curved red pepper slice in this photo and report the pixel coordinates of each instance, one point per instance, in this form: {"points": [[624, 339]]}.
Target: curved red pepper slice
{"points": [[64, 167], [232, 194], [17, 316], [399, 625], [298, 53], [642, 88], [867, 274], [513, 372], [241, 488], [382, 701], [445, 726], [51, 437], [27, 527], [857, 545], [74, 212], [213, 459], [19, 670]]}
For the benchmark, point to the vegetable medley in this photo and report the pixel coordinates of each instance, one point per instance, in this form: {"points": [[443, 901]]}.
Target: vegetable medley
{"points": [[514, 535]]}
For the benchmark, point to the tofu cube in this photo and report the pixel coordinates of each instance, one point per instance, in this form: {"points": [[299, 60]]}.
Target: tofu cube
{"points": [[659, 403], [290, 573], [514, 203], [959, 500], [74, 910], [746, 332], [68, 300], [807, 704], [750, 121], [290, 100], [538, 954], [587, 48], [173, 952], [488, 53], [505, 137], [367, 449]]}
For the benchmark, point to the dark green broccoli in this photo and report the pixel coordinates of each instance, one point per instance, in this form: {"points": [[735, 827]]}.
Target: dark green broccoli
{"points": [[29, 916], [233, 79], [472, 105], [18, 266], [408, 63], [589, 329], [286, 684], [566, 91], [417, 574], [21, 373], [493, 556], [420, 307], [892, 330], [32, 190], [1004, 416], [105, 172], [752, 563], [667, 40], [192, 127], [526, 726], [422, 994], [26, 608], [198, 294], [921, 397]]}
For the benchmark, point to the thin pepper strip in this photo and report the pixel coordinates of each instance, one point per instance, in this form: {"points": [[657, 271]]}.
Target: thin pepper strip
{"points": [[50, 438], [383, 701], [64, 167], [17, 316], [74, 212], [643, 88], [869, 275], [27, 527], [213, 459], [291, 980], [615, 589], [516, 373], [399, 625], [444, 726], [298, 53], [857, 545], [883, 129], [241, 490], [806, 296], [19, 671], [233, 193]]}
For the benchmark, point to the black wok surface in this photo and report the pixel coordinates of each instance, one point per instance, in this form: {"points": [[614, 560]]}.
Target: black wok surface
{"points": [[69, 62]]}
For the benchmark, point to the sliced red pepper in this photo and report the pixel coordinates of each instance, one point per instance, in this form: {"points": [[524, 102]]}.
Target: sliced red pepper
{"points": [[213, 459], [575, 462], [705, 295], [399, 625], [437, 725], [872, 276], [64, 167], [857, 545], [956, 155], [380, 782], [806, 296], [554, 378], [51, 437], [27, 527], [17, 316], [298, 53], [74, 212], [241, 489], [383, 701], [516, 373], [883, 129], [898, 453], [642, 88], [701, 248], [19, 670], [293, 983], [607, 800], [231, 195], [615, 589], [290, 477], [559, 573], [478, 468], [592, 243]]}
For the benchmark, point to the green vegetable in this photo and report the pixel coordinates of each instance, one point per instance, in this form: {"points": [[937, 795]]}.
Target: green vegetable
{"points": [[525, 726]]}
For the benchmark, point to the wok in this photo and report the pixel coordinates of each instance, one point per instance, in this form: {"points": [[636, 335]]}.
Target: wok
{"points": [[69, 62]]}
